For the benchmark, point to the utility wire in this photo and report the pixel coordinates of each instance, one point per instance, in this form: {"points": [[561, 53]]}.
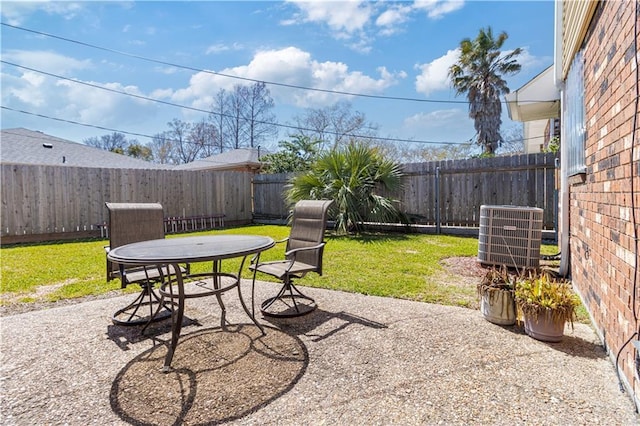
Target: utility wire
{"points": [[272, 83], [146, 98], [354, 136]]}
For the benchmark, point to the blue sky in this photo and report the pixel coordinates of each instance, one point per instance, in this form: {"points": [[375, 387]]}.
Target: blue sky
{"points": [[394, 49]]}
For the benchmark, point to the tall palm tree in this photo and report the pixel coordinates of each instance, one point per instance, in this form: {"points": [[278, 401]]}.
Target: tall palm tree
{"points": [[478, 73], [351, 176]]}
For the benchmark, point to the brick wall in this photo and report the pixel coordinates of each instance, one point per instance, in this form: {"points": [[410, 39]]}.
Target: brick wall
{"points": [[603, 250]]}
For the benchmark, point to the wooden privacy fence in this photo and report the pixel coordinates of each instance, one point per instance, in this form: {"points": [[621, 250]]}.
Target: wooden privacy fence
{"points": [[449, 193], [51, 202], [268, 196], [55, 202]]}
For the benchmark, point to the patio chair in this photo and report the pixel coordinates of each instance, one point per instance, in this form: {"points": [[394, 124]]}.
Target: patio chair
{"points": [[131, 223], [304, 250]]}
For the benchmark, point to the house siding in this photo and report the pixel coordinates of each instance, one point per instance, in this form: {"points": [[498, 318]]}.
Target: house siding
{"points": [[604, 252], [576, 16]]}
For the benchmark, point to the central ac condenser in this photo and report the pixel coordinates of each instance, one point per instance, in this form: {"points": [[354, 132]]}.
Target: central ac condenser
{"points": [[510, 235]]}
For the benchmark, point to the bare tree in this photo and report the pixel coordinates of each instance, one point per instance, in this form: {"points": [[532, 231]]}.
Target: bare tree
{"points": [[115, 142], [218, 118], [513, 141], [235, 121], [162, 148], [185, 150], [258, 116], [243, 117], [205, 135], [335, 125]]}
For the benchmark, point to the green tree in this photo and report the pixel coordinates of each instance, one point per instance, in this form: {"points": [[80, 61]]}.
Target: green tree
{"points": [[140, 151], [352, 176], [478, 73], [295, 155]]}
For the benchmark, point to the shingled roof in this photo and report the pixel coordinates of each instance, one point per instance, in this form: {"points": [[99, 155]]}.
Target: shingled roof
{"points": [[23, 146], [241, 157]]}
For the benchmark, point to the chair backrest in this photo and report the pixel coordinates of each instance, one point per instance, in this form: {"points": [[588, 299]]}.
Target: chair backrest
{"points": [[133, 222], [307, 229]]}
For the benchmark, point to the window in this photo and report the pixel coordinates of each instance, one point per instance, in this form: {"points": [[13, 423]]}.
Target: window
{"points": [[574, 113]]}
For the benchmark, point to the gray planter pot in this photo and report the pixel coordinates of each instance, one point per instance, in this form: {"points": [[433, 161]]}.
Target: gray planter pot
{"points": [[543, 326], [498, 306]]}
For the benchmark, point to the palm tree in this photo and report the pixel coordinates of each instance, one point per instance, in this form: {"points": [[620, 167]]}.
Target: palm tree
{"points": [[351, 176], [478, 73]]}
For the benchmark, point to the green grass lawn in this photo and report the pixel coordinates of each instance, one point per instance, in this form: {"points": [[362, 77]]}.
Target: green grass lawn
{"points": [[394, 265]]}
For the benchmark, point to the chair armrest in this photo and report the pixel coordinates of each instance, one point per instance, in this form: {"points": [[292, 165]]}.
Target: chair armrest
{"points": [[295, 251], [291, 254], [255, 257]]}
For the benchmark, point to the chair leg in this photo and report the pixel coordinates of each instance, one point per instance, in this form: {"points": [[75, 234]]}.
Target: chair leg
{"points": [[278, 307], [147, 297]]}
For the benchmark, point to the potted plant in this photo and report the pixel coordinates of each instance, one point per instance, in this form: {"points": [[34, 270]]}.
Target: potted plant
{"points": [[497, 301], [546, 304]]}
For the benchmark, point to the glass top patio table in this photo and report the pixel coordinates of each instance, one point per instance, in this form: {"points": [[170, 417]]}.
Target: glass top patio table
{"points": [[173, 251], [190, 249]]}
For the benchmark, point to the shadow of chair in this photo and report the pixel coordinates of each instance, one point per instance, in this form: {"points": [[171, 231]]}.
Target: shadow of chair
{"points": [[323, 324], [131, 223], [303, 254]]}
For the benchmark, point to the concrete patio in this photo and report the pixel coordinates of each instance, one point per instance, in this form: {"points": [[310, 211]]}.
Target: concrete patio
{"points": [[356, 360]]}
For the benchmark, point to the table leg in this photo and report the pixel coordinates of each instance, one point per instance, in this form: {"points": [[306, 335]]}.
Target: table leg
{"points": [[176, 318], [217, 285], [244, 306]]}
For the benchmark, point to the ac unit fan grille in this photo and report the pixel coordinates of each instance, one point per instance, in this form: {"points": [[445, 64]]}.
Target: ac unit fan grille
{"points": [[510, 235]]}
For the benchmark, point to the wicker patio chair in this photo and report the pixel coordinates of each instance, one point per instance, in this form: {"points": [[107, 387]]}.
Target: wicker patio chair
{"points": [[304, 250], [131, 223]]}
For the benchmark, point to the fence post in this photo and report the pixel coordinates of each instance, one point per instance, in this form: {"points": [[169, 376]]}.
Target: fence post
{"points": [[437, 200]]}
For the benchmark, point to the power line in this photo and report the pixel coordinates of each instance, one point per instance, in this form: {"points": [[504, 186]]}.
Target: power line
{"points": [[272, 83], [291, 127], [287, 126], [354, 136], [152, 137], [146, 98]]}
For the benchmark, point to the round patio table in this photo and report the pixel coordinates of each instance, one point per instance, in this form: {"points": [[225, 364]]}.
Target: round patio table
{"points": [[174, 251]]}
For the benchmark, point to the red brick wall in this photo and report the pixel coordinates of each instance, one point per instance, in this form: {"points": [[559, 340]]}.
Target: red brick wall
{"points": [[603, 251]]}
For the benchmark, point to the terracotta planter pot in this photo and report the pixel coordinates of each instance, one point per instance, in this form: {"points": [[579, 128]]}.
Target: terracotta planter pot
{"points": [[498, 307], [542, 326]]}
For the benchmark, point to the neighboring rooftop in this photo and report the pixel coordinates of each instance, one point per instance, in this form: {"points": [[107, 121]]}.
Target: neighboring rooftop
{"points": [[241, 158], [23, 146], [538, 99]]}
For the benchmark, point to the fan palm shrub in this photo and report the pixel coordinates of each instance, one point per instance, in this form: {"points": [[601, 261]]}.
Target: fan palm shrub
{"points": [[354, 177]]}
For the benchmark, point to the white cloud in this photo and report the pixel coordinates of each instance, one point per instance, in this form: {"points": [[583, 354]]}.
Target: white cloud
{"points": [[53, 97], [391, 19], [221, 47], [51, 61], [434, 75], [355, 19], [433, 119], [529, 61], [294, 67], [436, 9], [447, 125], [15, 12], [345, 18]]}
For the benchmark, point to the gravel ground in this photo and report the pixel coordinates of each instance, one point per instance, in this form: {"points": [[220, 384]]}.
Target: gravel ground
{"points": [[355, 360]]}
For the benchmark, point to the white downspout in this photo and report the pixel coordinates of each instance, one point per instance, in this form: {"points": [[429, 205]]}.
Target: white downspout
{"points": [[565, 248], [564, 178]]}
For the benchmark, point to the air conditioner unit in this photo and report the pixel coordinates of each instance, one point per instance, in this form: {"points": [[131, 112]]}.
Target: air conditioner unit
{"points": [[510, 235]]}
